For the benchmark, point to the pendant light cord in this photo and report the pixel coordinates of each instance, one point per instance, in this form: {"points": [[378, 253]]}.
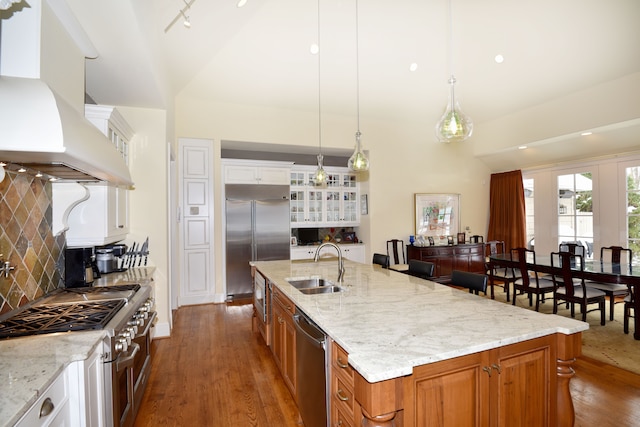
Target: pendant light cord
{"points": [[319, 88], [450, 39], [357, 70]]}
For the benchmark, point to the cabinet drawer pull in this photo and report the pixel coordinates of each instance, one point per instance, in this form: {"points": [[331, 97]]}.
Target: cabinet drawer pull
{"points": [[497, 368], [341, 396], [46, 408], [341, 364], [487, 369]]}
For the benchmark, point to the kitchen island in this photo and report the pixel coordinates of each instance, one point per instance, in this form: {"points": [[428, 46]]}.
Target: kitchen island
{"points": [[412, 341]]}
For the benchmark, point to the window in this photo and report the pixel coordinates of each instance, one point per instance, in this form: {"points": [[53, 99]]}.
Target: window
{"points": [[575, 210], [633, 210], [528, 184]]}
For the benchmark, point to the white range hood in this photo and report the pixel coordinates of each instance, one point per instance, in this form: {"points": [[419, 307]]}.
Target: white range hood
{"points": [[42, 131]]}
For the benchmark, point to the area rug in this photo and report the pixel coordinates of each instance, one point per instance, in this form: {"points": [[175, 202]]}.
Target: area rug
{"points": [[608, 343]]}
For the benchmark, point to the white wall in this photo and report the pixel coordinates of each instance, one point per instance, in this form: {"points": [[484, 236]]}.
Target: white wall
{"points": [[149, 216], [405, 159]]}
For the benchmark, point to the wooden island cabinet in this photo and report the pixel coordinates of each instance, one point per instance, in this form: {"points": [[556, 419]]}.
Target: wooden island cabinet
{"points": [[284, 338], [467, 257], [451, 359]]}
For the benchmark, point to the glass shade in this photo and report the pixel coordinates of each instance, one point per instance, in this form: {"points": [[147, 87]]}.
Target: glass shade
{"points": [[358, 161], [454, 125], [320, 176]]}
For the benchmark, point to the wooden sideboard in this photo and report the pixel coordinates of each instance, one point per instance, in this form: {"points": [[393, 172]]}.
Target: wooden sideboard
{"points": [[467, 257]]}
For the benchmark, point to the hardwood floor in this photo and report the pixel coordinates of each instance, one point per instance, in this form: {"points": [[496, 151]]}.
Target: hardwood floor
{"points": [[214, 371]]}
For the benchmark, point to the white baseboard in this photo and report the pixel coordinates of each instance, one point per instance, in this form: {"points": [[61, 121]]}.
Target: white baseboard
{"points": [[161, 330]]}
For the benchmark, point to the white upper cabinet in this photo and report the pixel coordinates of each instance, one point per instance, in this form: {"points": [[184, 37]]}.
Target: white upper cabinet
{"points": [[104, 217], [248, 172], [332, 205]]}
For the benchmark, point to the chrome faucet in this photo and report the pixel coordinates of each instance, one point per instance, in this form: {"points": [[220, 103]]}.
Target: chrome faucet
{"points": [[340, 260]]}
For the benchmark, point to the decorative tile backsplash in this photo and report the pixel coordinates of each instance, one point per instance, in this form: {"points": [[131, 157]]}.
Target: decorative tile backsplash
{"points": [[27, 241]]}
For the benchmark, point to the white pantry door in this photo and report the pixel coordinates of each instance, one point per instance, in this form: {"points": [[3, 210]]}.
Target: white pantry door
{"points": [[196, 188]]}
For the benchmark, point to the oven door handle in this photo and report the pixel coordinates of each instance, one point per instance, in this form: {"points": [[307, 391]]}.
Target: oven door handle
{"points": [[125, 362], [149, 324]]}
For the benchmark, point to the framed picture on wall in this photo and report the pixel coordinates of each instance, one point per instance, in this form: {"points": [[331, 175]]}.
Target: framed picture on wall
{"points": [[437, 215]]}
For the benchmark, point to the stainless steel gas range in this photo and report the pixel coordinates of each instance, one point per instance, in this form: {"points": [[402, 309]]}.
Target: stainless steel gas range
{"points": [[126, 314]]}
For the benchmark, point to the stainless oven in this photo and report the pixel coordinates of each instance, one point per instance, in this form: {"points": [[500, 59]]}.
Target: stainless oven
{"points": [[128, 361]]}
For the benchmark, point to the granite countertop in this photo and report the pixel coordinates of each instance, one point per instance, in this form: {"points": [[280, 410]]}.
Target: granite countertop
{"points": [[28, 365], [390, 322]]}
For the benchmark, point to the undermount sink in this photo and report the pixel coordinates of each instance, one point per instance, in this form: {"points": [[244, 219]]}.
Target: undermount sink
{"points": [[314, 285], [321, 290]]}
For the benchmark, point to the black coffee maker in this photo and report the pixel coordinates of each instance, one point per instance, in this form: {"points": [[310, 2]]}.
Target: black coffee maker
{"points": [[80, 267]]}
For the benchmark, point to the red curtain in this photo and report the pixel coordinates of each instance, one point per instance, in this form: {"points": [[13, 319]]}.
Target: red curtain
{"points": [[507, 220]]}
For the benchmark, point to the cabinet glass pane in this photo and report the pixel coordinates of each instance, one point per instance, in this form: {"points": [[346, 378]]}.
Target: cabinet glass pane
{"points": [[298, 179], [296, 204], [350, 204], [333, 206], [349, 181], [315, 206], [333, 180]]}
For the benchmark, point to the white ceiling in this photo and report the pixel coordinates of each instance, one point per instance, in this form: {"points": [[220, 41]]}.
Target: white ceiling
{"points": [[259, 55]]}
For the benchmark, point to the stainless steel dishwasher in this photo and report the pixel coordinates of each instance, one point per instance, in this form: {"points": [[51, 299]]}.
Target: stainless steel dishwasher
{"points": [[311, 370]]}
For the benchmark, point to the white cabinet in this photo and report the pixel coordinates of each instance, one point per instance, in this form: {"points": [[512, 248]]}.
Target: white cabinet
{"points": [[109, 121], [93, 399], [53, 407], [306, 207], [255, 173], [332, 205], [104, 217], [353, 252], [101, 219]]}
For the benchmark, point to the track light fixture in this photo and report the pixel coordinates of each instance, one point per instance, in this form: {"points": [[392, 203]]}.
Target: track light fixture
{"points": [[182, 14]]}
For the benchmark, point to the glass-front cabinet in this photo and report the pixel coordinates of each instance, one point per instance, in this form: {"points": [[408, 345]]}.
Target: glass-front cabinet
{"points": [[334, 204]]}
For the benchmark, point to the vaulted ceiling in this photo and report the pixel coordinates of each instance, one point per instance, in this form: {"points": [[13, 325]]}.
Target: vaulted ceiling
{"points": [[259, 55]]}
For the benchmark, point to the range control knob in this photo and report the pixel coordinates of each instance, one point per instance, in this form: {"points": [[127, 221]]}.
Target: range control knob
{"points": [[135, 322], [121, 344], [133, 331]]}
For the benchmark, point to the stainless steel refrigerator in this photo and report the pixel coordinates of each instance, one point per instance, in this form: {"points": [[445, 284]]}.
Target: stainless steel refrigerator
{"points": [[257, 218]]}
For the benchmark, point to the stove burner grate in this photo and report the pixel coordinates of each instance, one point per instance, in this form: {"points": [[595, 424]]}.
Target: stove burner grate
{"points": [[45, 319]]}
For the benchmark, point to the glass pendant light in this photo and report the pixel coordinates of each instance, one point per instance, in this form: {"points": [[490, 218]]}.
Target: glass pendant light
{"points": [[358, 161], [454, 125], [320, 177]]}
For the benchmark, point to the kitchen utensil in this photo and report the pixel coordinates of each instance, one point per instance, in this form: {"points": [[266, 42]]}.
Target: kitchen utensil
{"points": [[144, 251]]}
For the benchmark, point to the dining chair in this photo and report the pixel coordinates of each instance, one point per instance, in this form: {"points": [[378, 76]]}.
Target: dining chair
{"points": [[422, 269], [613, 255], [573, 290], [530, 283], [381, 259], [573, 248], [395, 252], [629, 303], [475, 282], [504, 275]]}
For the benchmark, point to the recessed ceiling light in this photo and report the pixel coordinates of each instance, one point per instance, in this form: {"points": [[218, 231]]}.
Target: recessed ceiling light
{"points": [[522, 147], [499, 59], [586, 133], [413, 66], [314, 49], [241, 3]]}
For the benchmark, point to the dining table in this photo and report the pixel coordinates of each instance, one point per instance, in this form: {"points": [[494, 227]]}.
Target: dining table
{"points": [[627, 273]]}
